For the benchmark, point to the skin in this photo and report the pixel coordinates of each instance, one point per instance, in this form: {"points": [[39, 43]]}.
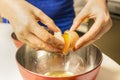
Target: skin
{"points": [[97, 10], [24, 17]]}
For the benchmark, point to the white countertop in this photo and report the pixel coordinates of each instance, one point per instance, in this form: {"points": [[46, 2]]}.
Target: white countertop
{"points": [[110, 70]]}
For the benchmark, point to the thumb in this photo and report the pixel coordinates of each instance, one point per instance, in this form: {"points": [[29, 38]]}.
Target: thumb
{"points": [[78, 20]]}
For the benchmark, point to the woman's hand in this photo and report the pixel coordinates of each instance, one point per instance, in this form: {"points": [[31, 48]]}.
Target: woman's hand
{"points": [[97, 10], [24, 18]]}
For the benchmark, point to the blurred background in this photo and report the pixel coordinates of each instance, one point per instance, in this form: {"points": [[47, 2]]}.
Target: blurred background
{"points": [[110, 42]]}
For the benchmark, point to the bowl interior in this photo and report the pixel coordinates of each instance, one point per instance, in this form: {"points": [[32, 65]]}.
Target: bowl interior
{"points": [[53, 64]]}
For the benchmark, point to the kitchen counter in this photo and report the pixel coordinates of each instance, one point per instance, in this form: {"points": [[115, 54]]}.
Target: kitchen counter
{"points": [[110, 70]]}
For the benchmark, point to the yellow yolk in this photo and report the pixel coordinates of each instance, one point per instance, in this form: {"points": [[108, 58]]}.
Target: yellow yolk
{"points": [[69, 38]]}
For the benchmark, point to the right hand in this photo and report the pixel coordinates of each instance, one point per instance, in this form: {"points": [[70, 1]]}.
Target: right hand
{"points": [[97, 10], [24, 18]]}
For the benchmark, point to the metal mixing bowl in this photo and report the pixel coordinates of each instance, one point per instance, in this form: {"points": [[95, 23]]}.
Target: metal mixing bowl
{"points": [[83, 64]]}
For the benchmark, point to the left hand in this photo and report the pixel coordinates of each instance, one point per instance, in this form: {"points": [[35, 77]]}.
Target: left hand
{"points": [[96, 9]]}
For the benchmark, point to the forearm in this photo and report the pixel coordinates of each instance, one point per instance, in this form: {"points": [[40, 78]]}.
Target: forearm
{"points": [[10, 7], [5, 4]]}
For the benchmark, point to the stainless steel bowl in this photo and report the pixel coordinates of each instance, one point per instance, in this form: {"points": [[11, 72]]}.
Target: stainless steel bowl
{"points": [[82, 64]]}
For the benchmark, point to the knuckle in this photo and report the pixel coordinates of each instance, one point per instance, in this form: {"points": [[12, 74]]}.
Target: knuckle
{"points": [[47, 38], [40, 46], [36, 48], [49, 21], [22, 35], [107, 20], [106, 17], [37, 11], [19, 35], [22, 31]]}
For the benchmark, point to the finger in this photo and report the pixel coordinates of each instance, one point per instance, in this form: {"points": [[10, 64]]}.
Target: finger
{"points": [[46, 20], [78, 20], [91, 34], [41, 16], [105, 28], [45, 36], [38, 44]]}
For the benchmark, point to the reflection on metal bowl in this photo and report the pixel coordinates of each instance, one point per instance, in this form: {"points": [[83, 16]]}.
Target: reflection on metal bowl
{"points": [[83, 64]]}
